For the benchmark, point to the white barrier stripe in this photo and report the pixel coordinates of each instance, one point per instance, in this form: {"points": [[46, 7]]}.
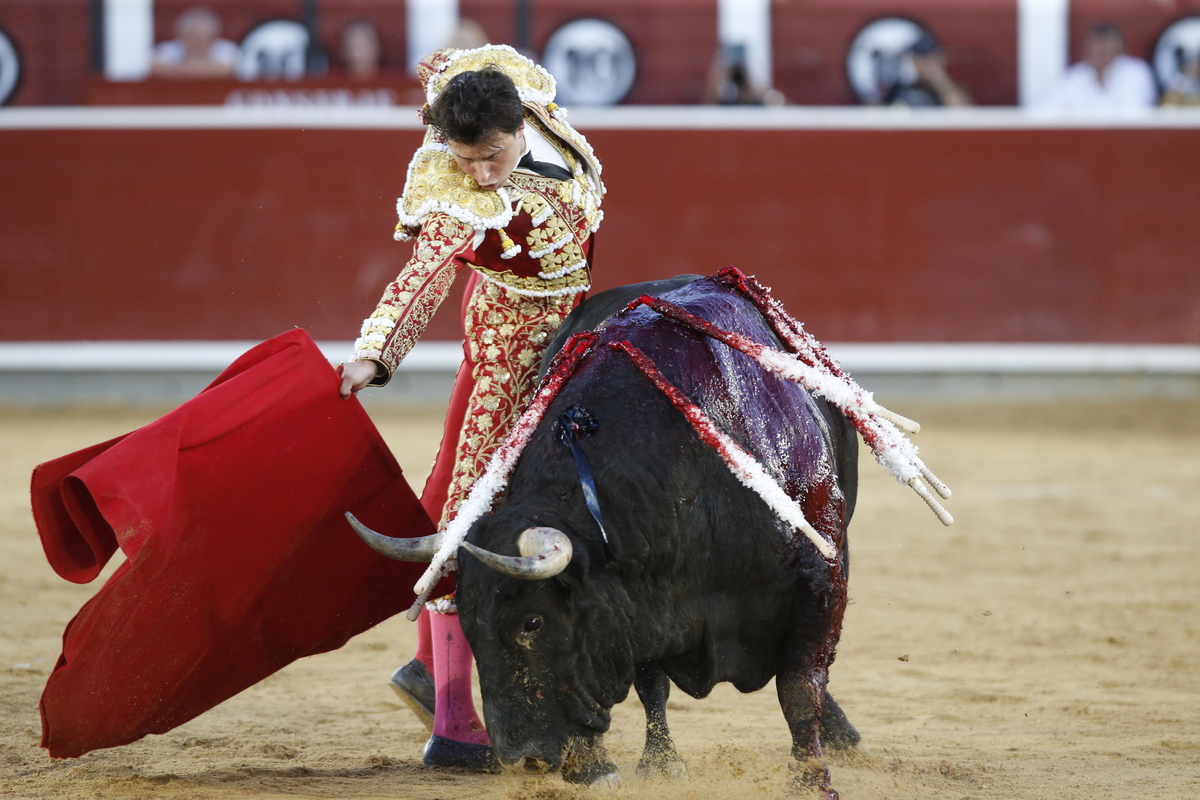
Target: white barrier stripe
{"points": [[868, 118], [437, 356], [209, 117], [188, 356], [614, 118], [912, 357]]}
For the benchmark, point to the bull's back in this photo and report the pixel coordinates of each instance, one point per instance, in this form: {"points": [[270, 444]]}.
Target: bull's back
{"points": [[642, 437], [592, 312], [775, 419]]}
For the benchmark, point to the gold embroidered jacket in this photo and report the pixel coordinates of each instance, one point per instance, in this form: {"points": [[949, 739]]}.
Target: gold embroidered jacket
{"points": [[531, 236]]}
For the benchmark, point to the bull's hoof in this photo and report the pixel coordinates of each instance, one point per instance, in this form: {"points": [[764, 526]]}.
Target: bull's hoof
{"points": [[596, 773], [609, 780], [662, 765], [674, 770], [587, 763], [810, 778], [443, 752], [805, 790], [837, 732]]}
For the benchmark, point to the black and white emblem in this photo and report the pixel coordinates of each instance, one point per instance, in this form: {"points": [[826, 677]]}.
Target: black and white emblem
{"points": [[1177, 51], [275, 49], [592, 62], [877, 61], [10, 68]]}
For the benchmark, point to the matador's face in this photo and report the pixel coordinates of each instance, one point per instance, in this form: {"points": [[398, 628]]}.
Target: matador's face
{"points": [[491, 162]]}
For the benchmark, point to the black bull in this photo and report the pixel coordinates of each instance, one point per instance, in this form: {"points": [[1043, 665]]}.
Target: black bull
{"points": [[703, 582]]}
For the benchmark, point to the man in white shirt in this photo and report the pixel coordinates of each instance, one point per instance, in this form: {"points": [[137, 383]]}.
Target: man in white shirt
{"points": [[197, 52], [1106, 80]]}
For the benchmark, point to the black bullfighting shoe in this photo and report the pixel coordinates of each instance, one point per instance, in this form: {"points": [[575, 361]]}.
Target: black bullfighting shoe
{"points": [[413, 684], [443, 752]]}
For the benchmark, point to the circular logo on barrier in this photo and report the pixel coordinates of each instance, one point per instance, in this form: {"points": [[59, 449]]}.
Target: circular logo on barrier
{"points": [[275, 49], [10, 68], [1177, 50], [592, 61], [876, 59]]}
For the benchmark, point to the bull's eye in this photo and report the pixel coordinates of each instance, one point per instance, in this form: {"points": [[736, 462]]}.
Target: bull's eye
{"points": [[532, 624]]}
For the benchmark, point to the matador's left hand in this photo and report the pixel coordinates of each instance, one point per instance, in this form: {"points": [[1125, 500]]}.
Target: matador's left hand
{"points": [[355, 376]]}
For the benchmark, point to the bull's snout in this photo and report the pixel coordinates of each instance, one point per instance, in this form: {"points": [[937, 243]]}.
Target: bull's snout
{"points": [[532, 765]]}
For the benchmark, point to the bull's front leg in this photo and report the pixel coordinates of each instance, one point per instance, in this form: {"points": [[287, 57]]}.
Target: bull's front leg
{"points": [[801, 685], [659, 756]]}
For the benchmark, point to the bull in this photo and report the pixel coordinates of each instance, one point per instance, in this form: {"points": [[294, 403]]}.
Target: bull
{"points": [[624, 552]]}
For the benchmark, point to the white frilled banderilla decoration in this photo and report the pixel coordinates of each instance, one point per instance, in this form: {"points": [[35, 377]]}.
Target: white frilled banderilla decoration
{"points": [[808, 364]]}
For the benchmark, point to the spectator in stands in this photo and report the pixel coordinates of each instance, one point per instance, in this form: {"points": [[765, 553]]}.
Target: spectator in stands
{"points": [[362, 51], [928, 84], [468, 35], [1106, 79], [729, 81], [197, 51]]}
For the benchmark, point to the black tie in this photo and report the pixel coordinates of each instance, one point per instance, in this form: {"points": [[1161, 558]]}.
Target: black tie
{"points": [[544, 168]]}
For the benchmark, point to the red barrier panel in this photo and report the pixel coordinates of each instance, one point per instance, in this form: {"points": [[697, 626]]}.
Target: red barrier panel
{"points": [[924, 235], [1067, 235]]}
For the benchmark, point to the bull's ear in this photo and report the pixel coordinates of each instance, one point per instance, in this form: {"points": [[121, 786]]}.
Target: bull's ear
{"points": [[578, 575]]}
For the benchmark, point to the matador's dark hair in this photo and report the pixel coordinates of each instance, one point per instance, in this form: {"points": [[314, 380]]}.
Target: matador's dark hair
{"points": [[476, 106]]}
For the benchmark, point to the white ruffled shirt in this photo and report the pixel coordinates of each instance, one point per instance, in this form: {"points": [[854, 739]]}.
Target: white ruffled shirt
{"points": [[542, 150]]}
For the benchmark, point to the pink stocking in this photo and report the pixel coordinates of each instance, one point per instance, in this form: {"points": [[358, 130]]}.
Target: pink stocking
{"points": [[454, 713], [424, 652]]}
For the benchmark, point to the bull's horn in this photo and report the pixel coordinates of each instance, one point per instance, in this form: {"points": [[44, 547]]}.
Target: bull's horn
{"points": [[545, 552], [420, 549]]}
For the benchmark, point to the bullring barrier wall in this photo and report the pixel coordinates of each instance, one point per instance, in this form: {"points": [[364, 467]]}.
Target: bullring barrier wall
{"points": [[871, 225]]}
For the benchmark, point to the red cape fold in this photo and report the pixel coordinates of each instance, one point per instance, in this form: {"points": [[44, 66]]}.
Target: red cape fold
{"points": [[230, 513]]}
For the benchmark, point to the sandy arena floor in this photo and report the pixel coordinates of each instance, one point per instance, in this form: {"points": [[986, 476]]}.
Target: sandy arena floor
{"points": [[1045, 646]]}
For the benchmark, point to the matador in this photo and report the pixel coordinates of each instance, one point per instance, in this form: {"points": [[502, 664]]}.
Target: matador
{"points": [[503, 186]]}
